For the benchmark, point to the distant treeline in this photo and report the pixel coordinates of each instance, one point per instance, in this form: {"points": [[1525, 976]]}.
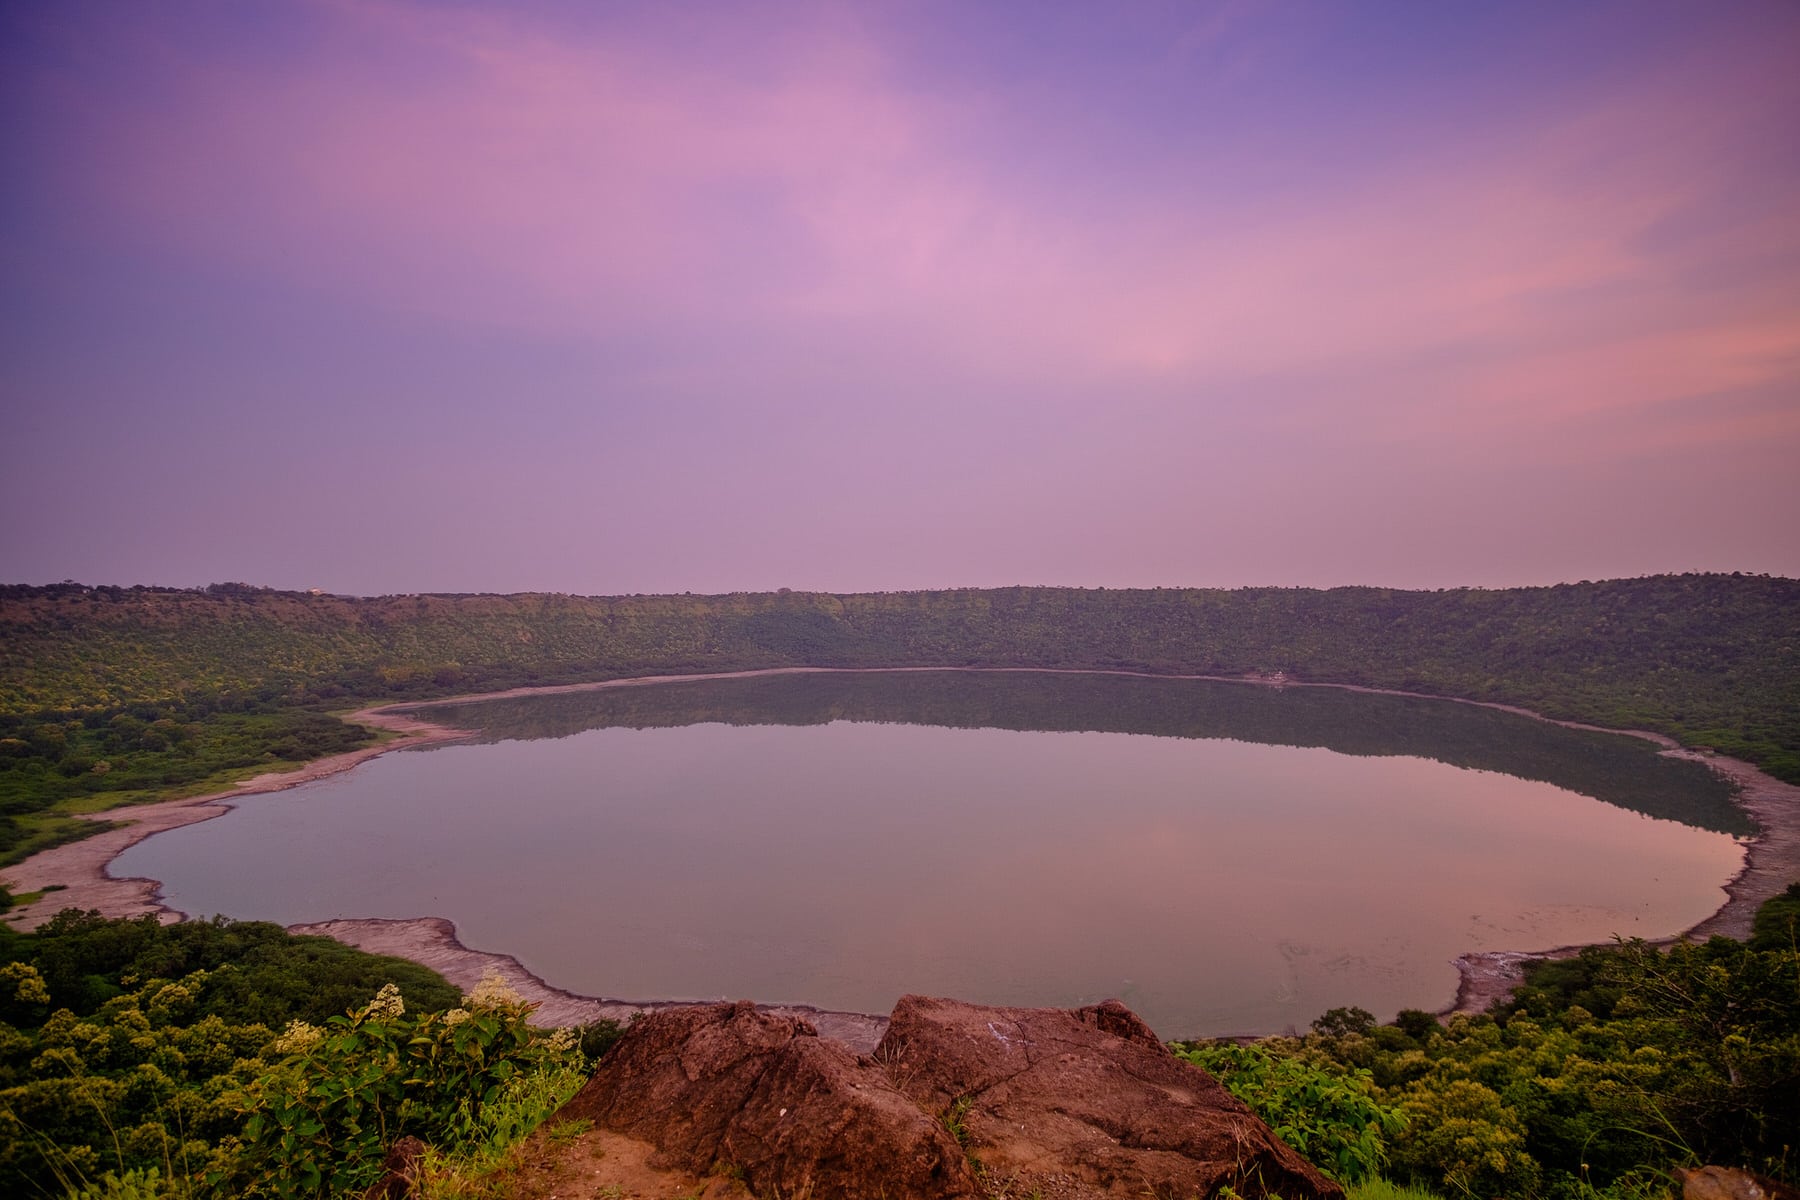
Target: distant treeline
{"points": [[1713, 660]]}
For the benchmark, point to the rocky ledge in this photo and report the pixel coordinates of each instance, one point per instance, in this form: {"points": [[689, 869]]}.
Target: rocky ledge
{"points": [[957, 1102]]}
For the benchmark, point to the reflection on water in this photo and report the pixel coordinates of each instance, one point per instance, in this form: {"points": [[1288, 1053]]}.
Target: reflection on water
{"points": [[1007, 838], [1620, 769]]}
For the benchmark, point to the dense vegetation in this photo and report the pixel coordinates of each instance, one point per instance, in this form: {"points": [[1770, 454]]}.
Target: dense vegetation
{"points": [[143, 750], [226, 1058], [1597, 1077], [232, 1058], [121, 692]]}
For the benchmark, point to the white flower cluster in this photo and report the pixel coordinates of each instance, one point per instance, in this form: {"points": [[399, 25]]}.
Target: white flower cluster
{"points": [[492, 992], [564, 1039], [457, 1016], [298, 1038], [387, 1003]]}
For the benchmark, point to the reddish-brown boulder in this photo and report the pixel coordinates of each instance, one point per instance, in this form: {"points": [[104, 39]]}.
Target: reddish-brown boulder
{"points": [[1084, 1104], [1730, 1183], [725, 1085], [1111, 1016], [959, 1101]]}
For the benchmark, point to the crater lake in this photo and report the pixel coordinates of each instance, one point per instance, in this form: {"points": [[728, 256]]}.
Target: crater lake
{"points": [[1224, 857]]}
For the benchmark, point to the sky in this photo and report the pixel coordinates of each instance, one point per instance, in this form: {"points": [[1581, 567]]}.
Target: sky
{"points": [[415, 295]]}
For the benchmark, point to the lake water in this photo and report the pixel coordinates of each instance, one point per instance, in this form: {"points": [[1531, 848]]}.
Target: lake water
{"points": [[1222, 857]]}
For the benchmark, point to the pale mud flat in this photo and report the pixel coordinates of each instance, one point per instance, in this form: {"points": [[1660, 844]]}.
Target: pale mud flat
{"points": [[1771, 862], [432, 942]]}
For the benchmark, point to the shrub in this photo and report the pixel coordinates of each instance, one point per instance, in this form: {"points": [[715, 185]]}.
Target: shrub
{"points": [[1463, 1134], [325, 1116], [1343, 1022], [1328, 1113]]}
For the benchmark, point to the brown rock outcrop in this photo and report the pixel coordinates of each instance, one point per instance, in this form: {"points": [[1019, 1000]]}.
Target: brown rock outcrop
{"points": [[725, 1085], [1729, 1183], [1069, 1105], [1085, 1104]]}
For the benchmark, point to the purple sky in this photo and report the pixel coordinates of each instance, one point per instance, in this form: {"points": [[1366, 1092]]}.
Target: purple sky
{"points": [[397, 295]]}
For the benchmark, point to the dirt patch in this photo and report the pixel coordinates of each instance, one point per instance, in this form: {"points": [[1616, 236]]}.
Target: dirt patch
{"points": [[598, 1164], [1487, 978]]}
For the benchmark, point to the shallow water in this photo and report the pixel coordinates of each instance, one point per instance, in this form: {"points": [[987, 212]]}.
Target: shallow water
{"points": [[781, 851]]}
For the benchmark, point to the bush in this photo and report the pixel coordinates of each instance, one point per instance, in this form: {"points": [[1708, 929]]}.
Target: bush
{"points": [[139, 1085], [1343, 1022], [1328, 1113], [1689, 1055], [325, 1116], [129, 1050], [1463, 1134], [262, 973]]}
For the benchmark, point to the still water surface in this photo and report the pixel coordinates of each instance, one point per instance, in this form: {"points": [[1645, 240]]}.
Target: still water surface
{"points": [[1245, 861]]}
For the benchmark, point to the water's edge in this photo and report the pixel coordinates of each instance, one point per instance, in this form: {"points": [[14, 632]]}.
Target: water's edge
{"points": [[432, 942], [1771, 857]]}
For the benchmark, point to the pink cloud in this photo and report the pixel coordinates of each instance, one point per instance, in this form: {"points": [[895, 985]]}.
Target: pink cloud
{"points": [[472, 163], [475, 165]]}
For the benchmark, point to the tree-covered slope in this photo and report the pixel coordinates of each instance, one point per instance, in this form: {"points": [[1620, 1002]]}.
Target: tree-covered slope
{"points": [[1711, 659]]}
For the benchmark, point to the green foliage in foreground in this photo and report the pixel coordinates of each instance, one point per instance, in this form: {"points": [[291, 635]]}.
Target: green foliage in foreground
{"points": [[1382, 1189], [142, 1060], [323, 1118], [1694, 1058], [262, 974], [127, 1069], [139, 1084], [1330, 1116]]}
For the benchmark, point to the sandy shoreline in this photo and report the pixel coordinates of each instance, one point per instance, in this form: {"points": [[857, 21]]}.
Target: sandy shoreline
{"points": [[1771, 858], [432, 942], [1771, 862]]}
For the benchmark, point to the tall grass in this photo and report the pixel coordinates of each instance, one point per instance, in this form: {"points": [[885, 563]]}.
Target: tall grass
{"points": [[1381, 1189]]}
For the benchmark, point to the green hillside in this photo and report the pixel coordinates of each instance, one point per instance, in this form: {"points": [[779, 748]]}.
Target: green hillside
{"points": [[135, 691]]}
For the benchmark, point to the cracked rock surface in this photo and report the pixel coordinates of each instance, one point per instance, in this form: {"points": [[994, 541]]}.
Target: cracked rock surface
{"points": [[958, 1100], [723, 1087]]}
